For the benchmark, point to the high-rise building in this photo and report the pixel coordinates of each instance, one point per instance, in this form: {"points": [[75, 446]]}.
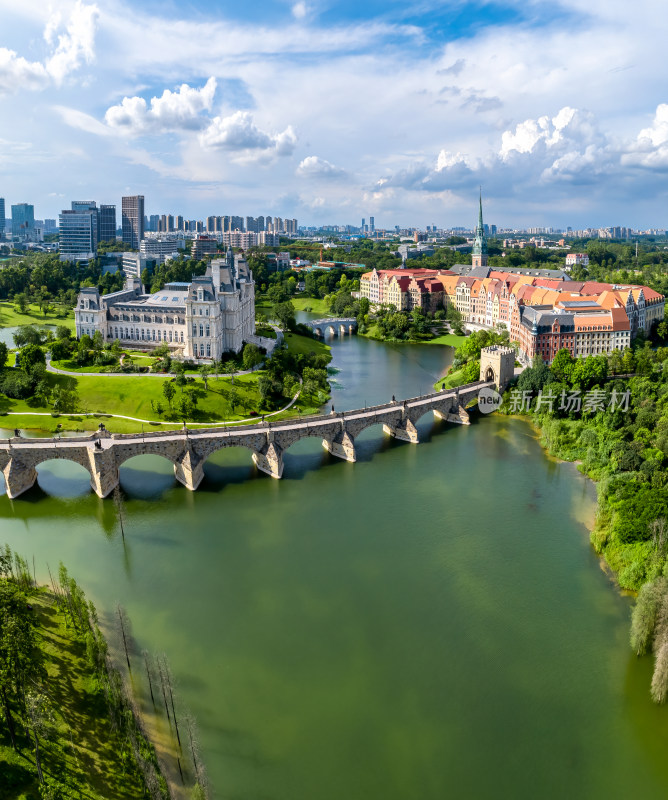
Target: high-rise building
{"points": [[132, 213], [170, 223], [79, 231], [178, 222], [236, 223], [23, 220], [107, 223], [372, 224], [260, 224], [2, 218], [153, 222]]}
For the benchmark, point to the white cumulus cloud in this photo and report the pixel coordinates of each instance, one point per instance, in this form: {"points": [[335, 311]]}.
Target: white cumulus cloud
{"points": [[239, 132], [650, 150], [73, 46], [76, 44], [315, 167], [178, 110]]}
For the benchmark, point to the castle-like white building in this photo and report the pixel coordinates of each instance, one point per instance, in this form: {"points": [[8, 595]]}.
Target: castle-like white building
{"points": [[200, 320]]}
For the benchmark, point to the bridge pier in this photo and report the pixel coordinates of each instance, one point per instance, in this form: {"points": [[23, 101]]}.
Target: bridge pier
{"points": [[269, 460], [189, 469], [103, 471], [341, 446], [405, 430], [457, 414], [18, 477]]}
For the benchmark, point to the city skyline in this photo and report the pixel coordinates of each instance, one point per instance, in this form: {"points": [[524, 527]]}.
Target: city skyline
{"points": [[337, 113]]}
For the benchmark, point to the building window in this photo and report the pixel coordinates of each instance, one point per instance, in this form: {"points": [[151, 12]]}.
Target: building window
{"points": [[208, 351], [181, 339], [201, 350], [153, 335], [207, 330], [201, 330], [170, 336], [194, 329], [159, 336], [207, 311], [142, 334], [164, 336]]}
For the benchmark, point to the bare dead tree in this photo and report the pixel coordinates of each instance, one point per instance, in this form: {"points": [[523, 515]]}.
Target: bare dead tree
{"points": [[169, 680], [148, 674], [164, 693], [118, 505], [124, 625]]}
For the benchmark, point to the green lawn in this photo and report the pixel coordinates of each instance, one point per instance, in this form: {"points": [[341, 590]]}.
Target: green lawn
{"points": [[448, 338], [87, 752], [312, 304], [453, 379], [304, 344], [131, 396], [316, 305], [10, 316]]}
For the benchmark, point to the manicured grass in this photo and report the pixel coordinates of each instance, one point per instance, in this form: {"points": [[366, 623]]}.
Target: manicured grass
{"points": [[10, 316], [73, 366], [301, 303], [453, 379], [86, 752], [312, 304], [131, 396], [448, 338], [304, 344]]}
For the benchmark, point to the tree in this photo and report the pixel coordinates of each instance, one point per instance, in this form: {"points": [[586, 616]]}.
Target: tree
{"points": [[205, 371], [18, 652], [29, 356], [4, 354], [27, 334], [169, 391], [186, 406], [285, 314], [22, 302], [63, 332], [562, 365], [252, 355]]}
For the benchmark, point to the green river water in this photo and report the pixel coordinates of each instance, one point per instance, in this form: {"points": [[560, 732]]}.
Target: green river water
{"points": [[429, 622]]}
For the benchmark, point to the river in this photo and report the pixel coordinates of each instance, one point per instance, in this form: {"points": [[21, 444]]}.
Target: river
{"points": [[429, 622]]}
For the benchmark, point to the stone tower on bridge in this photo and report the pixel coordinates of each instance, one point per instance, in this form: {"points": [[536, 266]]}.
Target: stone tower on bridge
{"points": [[497, 363]]}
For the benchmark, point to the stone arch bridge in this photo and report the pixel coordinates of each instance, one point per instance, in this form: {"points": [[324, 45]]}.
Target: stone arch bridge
{"points": [[339, 326], [102, 453]]}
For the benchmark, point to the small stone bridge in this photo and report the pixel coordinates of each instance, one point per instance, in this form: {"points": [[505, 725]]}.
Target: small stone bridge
{"points": [[338, 325], [103, 453]]}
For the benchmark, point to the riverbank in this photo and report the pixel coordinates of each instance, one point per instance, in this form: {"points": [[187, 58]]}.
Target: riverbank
{"points": [[75, 706]]}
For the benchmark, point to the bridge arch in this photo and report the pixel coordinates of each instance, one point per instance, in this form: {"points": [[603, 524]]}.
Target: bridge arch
{"points": [[60, 476], [142, 482]]}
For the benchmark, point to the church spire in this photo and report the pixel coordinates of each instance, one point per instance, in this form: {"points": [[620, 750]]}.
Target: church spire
{"points": [[479, 257]]}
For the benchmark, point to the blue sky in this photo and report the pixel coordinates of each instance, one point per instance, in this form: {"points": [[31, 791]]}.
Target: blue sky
{"points": [[334, 111]]}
